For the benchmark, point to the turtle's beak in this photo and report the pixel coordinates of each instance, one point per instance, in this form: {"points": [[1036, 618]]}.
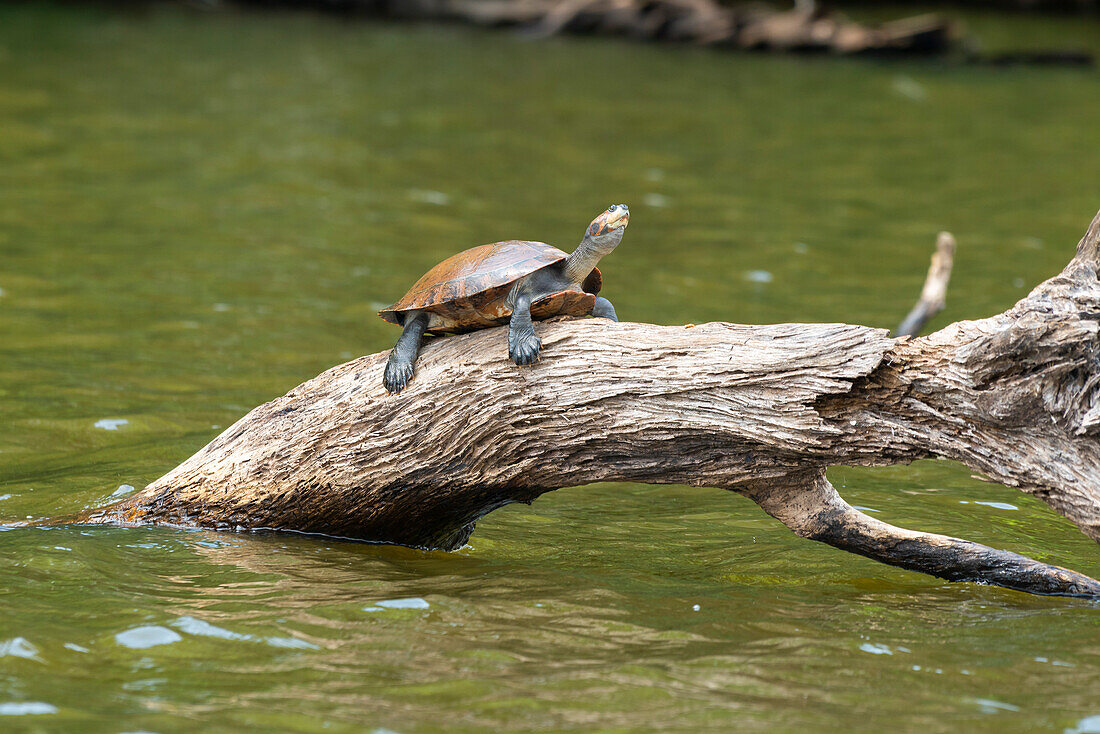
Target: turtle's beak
{"points": [[615, 217]]}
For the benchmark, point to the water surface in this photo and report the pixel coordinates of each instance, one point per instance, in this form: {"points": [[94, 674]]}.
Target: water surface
{"points": [[199, 211]]}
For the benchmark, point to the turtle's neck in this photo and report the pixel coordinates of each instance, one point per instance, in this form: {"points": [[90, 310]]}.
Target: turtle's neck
{"points": [[588, 253]]}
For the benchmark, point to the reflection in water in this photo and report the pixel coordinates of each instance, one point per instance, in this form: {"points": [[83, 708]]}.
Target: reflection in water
{"points": [[554, 618]]}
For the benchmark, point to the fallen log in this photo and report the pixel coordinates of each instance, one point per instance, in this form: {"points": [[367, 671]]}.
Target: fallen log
{"points": [[753, 25], [758, 410], [806, 28]]}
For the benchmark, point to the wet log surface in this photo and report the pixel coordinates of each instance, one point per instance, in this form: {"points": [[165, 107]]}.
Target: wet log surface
{"points": [[758, 410]]}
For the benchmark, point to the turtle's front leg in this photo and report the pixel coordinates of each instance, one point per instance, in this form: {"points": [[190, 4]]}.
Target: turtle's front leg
{"points": [[523, 344], [399, 368], [604, 310]]}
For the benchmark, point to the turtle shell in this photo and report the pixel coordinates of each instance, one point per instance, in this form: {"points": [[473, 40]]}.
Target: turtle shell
{"points": [[468, 291]]}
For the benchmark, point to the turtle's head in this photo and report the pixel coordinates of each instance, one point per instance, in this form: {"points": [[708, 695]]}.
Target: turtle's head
{"points": [[612, 219], [606, 230], [601, 237]]}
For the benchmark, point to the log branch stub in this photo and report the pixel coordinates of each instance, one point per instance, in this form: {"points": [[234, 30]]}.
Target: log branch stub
{"points": [[933, 296], [1015, 396]]}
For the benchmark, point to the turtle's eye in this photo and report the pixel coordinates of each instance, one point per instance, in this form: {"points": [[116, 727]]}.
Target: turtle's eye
{"points": [[611, 208]]}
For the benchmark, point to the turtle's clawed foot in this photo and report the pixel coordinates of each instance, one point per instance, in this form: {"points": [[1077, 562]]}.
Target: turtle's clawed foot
{"points": [[524, 349], [397, 376]]}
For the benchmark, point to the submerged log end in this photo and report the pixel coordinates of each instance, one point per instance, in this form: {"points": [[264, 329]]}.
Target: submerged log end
{"points": [[811, 507]]}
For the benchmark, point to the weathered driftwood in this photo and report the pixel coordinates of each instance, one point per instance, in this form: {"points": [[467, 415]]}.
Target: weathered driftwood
{"points": [[807, 27], [755, 25], [760, 410], [933, 296]]}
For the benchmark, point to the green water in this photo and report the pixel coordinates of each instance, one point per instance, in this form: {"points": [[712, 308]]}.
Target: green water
{"points": [[198, 211]]}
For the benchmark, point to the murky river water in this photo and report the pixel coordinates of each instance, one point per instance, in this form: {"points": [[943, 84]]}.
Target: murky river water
{"points": [[199, 211]]}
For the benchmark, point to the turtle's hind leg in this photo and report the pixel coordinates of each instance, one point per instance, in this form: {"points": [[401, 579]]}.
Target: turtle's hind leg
{"points": [[604, 310], [399, 368]]}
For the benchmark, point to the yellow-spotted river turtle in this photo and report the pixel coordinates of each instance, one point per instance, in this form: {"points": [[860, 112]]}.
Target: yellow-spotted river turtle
{"points": [[509, 282]]}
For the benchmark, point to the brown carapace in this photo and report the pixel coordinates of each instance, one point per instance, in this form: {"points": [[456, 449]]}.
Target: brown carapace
{"points": [[469, 291]]}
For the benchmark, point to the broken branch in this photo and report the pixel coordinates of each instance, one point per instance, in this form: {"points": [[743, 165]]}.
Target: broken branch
{"points": [[933, 296]]}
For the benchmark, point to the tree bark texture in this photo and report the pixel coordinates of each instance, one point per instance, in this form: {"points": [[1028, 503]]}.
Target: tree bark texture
{"points": [[759, 410]]}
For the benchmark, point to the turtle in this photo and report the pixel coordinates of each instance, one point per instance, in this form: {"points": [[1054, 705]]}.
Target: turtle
{"points": [[511, 282]]}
